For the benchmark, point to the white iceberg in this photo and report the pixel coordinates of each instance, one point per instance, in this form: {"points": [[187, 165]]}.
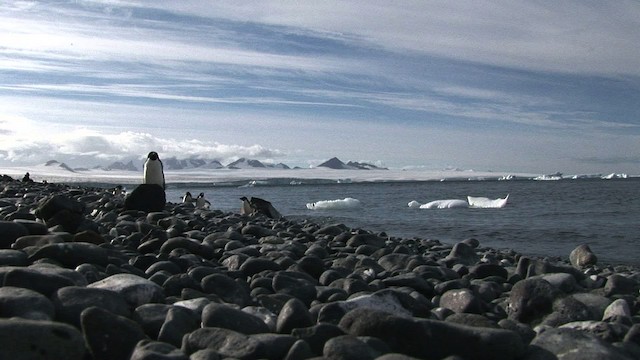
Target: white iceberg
{"points": [[485, 203], [445, 204], [346, 203]]}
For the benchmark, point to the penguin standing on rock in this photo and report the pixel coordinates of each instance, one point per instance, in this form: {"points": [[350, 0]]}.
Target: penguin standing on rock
{"points": [[153, 171]]}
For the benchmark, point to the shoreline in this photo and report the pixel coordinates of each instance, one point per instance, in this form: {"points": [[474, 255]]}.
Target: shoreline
{"points": [[196, 284]]}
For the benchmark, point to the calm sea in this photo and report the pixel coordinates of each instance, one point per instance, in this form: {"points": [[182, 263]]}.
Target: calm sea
{"points": [[547, 218]]}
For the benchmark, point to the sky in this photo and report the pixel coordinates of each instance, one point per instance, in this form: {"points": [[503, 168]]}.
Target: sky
{"points": [[523, 86]]}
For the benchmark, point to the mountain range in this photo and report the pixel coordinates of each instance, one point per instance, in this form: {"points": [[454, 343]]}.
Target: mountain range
{"points": [[174, 163]]}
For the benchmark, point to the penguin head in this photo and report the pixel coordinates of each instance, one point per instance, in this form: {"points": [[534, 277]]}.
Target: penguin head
{"points": [[201, 195], [153, 156], [188, 194]]}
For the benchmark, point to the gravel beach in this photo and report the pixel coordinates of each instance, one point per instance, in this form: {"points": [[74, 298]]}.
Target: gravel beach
{"points": [[88, 275]]}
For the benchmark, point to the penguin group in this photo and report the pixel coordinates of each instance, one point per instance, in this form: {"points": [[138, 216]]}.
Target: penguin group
{"points": [[200, 202], [153, 173]]}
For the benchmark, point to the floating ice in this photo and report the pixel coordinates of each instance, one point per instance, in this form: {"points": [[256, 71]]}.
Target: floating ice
{"points": [[472, 201], [445, 204], [483, 202], [346, 203]]}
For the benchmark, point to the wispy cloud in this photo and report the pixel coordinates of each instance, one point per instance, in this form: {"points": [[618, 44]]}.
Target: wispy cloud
{"points": [[410, 81]]}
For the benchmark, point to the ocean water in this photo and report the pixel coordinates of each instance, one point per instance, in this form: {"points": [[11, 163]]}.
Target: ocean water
{"points": [[542, 218]]}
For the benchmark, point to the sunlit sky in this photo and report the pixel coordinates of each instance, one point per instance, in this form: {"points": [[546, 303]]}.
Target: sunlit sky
{"points": [[530, 86]]}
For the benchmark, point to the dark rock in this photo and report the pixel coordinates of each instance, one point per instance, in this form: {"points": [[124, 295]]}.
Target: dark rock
{"points": [[38, 240], [30, 339], [348, 347], [9, 232], [109, 336], [178, 322], [463, 254], [25, 303], [71, 301], [412, 280], [223, 316], [13, 258], [620, 285], [317, 335], [462, 301], [225, 342], [294, 314], [226, 288], [482, 271], [572, 344], [255, 265], [366, 239], [530, 299], [33, 227], [474, 320], [42, 282], [134, 289], [155, 350], [296, 285], [150, 317], [566, 310], [526, 332], [433, 339], [299, 350], [276, 346], [88, 236], [582, 256], [147, 198], [73, 254], [633, 335]]}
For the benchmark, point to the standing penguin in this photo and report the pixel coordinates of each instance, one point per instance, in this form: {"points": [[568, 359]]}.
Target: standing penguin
{"points": [[153, 171], [187, 198], [201, 202]]}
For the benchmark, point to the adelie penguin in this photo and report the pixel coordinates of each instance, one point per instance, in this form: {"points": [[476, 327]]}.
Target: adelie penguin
{"points": [[254, 206], [201, 202], [153, 171]]}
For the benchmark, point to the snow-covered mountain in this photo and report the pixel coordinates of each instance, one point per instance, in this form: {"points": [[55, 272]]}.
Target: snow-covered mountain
{"points": [[337, 164], [244, 163]]}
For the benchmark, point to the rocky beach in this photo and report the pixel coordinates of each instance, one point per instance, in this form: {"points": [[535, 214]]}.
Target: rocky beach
{"points": [[87, 275]]}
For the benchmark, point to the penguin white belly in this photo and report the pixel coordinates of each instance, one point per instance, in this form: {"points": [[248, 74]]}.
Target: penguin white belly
{"points": [[153, 173]]}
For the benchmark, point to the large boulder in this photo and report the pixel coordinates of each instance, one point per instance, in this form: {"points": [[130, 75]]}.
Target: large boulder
{"points": [[147, 198]]}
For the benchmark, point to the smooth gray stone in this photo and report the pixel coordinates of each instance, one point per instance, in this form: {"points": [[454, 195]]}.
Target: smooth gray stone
{"points": [[224, 316], [178, 322], [570, 344], [71, 301], [73, 254], [25, 303], [13, 258], [155, 350], [433, 339], [151, 317], [225, 342], [30, 278], [294, 314], [226, 288], [136, 290], [531, 299], [30, 339], [348, 347], [10, 231], [109, 336]]}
